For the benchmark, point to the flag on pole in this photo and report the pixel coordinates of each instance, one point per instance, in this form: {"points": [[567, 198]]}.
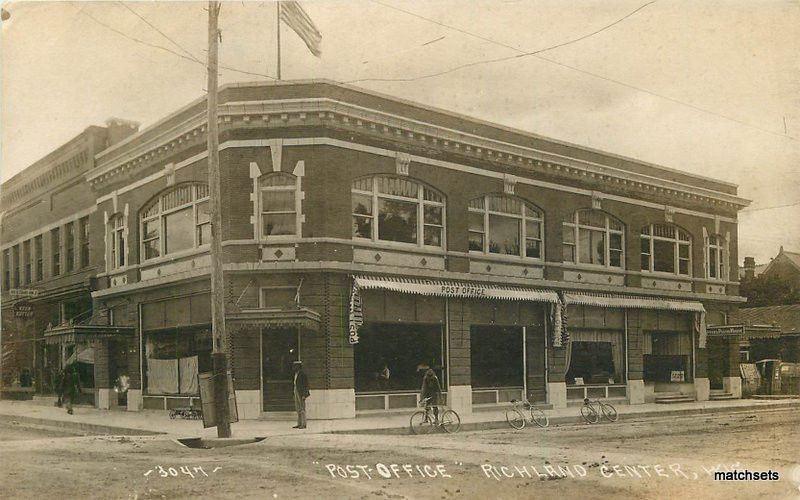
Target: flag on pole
{"points": [[296, 18]]}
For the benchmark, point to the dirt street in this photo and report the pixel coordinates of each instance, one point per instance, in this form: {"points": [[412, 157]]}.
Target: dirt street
{"points": [[649, 458]]}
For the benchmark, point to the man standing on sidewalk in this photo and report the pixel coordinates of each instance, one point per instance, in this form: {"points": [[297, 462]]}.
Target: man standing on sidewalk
{"points": [[300, 394], [70, 386]]}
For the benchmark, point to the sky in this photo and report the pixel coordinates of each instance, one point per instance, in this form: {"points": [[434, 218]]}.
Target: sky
{"points": [[709, 87]]}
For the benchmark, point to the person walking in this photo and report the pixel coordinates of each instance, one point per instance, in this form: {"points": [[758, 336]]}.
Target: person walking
{"points": [[300, 394], [431, 390], [70, 386]]}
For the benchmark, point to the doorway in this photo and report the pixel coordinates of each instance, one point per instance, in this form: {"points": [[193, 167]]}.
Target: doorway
{"points": [[280, 347]]}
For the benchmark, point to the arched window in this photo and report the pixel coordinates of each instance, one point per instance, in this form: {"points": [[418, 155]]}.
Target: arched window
{"points": [[396, 209], [716, 253], [505, 225], [279, 205], [175, 221], [666, 249], [594, 237]]}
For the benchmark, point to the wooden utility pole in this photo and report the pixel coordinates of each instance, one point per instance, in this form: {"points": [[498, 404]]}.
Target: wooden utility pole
{"points": [[218, 356]]}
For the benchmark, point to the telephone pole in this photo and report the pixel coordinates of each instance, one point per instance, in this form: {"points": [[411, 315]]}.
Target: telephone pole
{"points": [[218, 355]]}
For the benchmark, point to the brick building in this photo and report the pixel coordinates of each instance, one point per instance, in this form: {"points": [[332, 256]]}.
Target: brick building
{"points": [[373, 238]]}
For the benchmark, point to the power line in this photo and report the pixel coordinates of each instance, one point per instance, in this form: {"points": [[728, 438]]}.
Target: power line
{"points": [[536, 54], [770, 208], [161, 32]]}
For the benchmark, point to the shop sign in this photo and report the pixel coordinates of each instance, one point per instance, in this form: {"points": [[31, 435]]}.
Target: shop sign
{"points": [[463, 291], [23, 310], [23, 293], [677, 376]]}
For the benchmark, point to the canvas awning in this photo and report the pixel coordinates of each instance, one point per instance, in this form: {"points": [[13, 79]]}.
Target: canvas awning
{"points": [[72, 334], [628, 302], [456, 289], [301, 317], [745, 332]]}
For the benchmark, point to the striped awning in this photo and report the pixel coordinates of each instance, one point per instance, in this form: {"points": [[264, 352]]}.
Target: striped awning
{"points": [[455, 289], [628, 302]]}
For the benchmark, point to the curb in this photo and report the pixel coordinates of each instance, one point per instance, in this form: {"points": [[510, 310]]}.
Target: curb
{"points": [[572, 420], [93, 429]]}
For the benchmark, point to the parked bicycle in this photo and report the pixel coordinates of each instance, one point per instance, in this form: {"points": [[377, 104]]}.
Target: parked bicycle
{"points": [[517, 415], [425, 421], [592, 414]]}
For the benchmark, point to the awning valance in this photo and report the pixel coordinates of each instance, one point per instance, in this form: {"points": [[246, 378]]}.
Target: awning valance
{"points": [[300, 317], [626, 302], [744, 332], [72, 334], [455, 289]]}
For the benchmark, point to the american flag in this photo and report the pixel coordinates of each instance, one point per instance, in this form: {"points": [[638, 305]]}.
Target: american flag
{"points": [[296, 18]]}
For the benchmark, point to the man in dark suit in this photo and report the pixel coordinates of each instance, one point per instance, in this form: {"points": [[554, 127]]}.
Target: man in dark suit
{"points": [[300, 394]]}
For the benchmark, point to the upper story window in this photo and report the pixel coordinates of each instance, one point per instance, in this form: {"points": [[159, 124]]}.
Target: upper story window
{"points": [[279, 204], [6, 270], [83, 227], [26, 258], [15, 256], [666, 249], [505, 225], [116, 242], [175, 221], [594, 237], [55, 251], [37, 248], [70, 246], [398, 210], [716, 256]]}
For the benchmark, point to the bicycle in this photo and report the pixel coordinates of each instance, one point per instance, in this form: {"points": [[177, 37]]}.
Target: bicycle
{"points": [[592, 415], [423, 422], [516, 417]]}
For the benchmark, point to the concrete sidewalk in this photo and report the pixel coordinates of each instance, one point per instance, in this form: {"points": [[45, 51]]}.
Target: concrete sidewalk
{"points": [[119, 422]]}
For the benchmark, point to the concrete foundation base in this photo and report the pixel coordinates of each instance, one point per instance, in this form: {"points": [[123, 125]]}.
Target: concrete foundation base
{"points": [[635, 392], [459, 398], [248, 404], [733, 385], [134, 400], [331, 403], [702, 389], [106, 399], [557, 394]]}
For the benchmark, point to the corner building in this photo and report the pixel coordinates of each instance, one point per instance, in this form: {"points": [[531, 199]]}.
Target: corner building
{"points": [[374, 238]]}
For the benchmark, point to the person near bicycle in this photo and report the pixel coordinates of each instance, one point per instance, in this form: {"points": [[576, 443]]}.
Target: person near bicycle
{"points": [[432, 391]]}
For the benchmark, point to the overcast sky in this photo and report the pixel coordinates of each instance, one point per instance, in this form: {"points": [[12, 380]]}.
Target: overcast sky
{"points": [[708, 87]]}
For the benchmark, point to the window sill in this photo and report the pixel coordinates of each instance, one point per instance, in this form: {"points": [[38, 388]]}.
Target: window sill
{"points": [[663, 275], [173, 256], [506, 258], [591, 268], [390, 245]]}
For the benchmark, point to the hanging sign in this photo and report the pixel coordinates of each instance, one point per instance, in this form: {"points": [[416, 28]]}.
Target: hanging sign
{"points": [[23, 309], [356, 314]]}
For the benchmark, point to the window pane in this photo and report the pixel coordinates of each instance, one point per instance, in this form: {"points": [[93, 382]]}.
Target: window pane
{"points": [[663, 231], [592, 218], [362, 227], [615, 258], [203, 212], [568, 252], [204, 234], [684, 267], [614, 224], [584, 246], [645, 254], [398, 187], [476, 203], [505, 204], [475, 222], [362, 204], [569, 234], [430, 195], [433, 235], [150, 229], [151, 249], [533, 248], [504, 235], [476, 241], [533, 229], [277, 201], [278, 179], [278, 224], [664, 256], [433, 215], [179, 231], [684, 251], [120, 248], [397, 221], [598, 247], [615, 242], [363, 184]]}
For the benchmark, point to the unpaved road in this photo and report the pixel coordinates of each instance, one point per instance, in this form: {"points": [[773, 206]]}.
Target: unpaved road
{"points": [[648, 458]]}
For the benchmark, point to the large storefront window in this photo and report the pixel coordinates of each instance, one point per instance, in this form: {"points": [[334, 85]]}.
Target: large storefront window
{"points": [[394, 357], [398, 210], [279, 200], [505, 225], [174, 358], [496, 356], [596, 357], [667, 356], [175, 221], [666, 249], [594, 237]]}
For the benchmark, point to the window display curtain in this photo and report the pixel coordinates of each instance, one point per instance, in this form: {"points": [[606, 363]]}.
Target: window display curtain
{"points": [[188, 371], [162, 376], [617, 340]]}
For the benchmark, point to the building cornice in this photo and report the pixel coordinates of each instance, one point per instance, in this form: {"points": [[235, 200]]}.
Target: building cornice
{"points": [[325, 112]]}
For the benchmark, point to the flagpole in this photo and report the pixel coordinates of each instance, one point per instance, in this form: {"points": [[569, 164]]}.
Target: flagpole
{"points": [[278, 32]]}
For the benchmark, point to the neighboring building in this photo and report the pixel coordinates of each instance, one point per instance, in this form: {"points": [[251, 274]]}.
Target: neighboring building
{"points": [[750, 269], [785, 266], [511, 264]]}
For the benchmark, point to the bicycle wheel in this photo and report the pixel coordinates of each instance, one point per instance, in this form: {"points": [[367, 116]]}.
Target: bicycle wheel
{"points": [[515, 418], [539, 417], [609, 412], [590, 414], [420, 424], [450, 421]]}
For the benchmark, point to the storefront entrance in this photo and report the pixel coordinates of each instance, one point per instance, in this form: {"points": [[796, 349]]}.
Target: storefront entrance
{"points": [[668, 360], [280, 347]]}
